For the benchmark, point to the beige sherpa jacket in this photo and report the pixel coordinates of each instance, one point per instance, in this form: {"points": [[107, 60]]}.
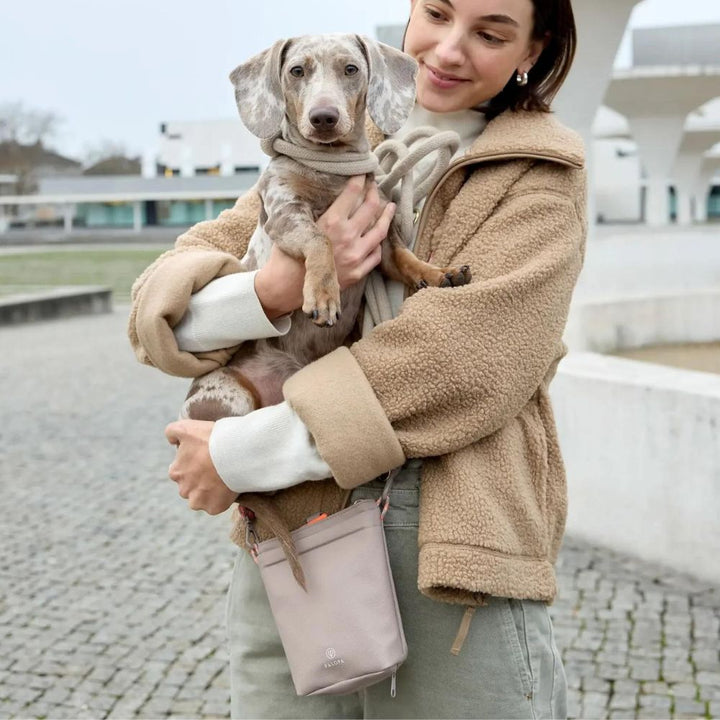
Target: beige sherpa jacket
{"points": [[459, 378]]}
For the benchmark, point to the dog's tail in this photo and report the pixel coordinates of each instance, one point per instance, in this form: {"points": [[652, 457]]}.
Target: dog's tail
{"points": [[269, 517]]}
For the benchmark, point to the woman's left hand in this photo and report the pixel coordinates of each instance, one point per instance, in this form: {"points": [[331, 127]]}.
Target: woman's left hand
{"points": [[193, 470]]}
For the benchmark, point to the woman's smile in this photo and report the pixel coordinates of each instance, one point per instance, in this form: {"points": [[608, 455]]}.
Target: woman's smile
{"points": [[440, 78]]}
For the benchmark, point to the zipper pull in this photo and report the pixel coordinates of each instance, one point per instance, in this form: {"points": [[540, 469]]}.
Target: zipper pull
{"points": [[393, 684]]}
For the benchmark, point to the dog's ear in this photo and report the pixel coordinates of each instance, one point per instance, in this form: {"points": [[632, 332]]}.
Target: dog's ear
{"points": [[258, 92], [391, 85]]}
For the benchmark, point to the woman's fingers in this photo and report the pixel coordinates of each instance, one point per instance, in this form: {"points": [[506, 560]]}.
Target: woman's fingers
{"points": [[367, 214], [380, 229], [351, 197]]}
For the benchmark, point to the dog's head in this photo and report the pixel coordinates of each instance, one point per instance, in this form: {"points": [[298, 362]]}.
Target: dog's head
{"points": [[322, 85]]}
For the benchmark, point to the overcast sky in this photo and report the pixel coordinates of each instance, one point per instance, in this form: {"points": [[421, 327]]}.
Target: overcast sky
{"points": [[115, 69]]}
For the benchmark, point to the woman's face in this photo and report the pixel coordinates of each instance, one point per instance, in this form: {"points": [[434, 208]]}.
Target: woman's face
{"points": [[467, 50]]}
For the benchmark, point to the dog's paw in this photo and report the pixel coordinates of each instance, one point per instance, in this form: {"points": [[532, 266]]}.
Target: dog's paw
{"points": [[322, 302], [455, 277]]}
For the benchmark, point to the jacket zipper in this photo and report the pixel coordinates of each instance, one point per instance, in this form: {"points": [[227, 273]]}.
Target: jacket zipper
{"points": [[478, 159]]}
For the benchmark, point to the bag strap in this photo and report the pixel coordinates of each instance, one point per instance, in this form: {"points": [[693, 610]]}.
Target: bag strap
{"points": [[384, 499]]}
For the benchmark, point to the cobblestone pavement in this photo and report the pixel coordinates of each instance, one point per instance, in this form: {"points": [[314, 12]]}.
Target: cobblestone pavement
{"points": [[112, 592]]}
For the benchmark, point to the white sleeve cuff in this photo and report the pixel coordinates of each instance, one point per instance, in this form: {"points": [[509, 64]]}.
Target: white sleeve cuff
{"points": [[269, 449], [224, 313]]}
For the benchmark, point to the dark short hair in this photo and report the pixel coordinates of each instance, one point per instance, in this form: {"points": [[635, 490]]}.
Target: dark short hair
{"points": [[554, 20]]}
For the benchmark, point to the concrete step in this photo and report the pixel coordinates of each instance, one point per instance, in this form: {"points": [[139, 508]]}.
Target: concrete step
{"points": [[55, 303]]}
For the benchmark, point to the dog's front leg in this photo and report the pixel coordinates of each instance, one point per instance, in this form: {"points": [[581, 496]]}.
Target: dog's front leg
{"points": [[291, 225], [401, 264]]}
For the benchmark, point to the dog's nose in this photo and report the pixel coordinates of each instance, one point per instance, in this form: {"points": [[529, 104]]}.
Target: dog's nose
{"points": [[324, 118]]}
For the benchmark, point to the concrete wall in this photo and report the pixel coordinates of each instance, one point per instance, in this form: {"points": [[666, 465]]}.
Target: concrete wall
{"points": [[689, 45], [640, 443], [627, 323], [617, 181]]}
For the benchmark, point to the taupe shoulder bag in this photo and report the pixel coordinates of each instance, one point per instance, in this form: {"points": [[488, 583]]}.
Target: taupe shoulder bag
{"points": [[343, 632]]}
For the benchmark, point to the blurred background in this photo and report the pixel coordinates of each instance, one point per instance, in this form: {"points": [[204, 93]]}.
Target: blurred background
{"points": [[118, 131]]}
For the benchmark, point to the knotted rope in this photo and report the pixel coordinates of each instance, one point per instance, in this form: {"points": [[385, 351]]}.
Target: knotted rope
{"points": [[395, 166]]}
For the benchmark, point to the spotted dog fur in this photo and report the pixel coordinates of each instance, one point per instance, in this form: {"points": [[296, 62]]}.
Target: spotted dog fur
{"points": [[312, 91]]}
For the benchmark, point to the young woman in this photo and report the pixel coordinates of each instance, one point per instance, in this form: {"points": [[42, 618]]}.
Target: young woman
{"points": [[454, 389]]}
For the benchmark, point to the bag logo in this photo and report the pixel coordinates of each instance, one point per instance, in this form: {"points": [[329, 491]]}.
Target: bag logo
{"points": [[331, 655]]}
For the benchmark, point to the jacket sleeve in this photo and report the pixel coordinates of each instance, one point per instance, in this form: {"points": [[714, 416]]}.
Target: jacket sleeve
{"points": [[160, 296], [457, 363]]}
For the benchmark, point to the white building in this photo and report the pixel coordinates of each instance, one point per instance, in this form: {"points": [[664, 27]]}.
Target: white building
{"points": [[208, 147]]}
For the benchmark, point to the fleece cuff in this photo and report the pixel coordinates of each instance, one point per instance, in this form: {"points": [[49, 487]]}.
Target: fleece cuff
{"points": [[351, 431]]}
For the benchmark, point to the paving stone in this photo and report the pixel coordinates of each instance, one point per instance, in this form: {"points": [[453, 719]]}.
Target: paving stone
{"points": [[648, 672], [689, 707], [613, 672], [595, 684], [684, 690], [623, 702], [656, 702], [708, 678], [215, 710]]}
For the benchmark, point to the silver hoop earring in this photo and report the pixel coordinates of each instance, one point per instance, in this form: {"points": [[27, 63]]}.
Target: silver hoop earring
{"points": [[521, 79]]}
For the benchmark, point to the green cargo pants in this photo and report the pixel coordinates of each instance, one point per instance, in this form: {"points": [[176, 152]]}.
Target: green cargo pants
{"points": [[509, 665]]}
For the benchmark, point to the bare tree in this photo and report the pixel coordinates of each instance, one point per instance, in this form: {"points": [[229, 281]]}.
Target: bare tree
{"points": [[102, 151], [26, 126]]}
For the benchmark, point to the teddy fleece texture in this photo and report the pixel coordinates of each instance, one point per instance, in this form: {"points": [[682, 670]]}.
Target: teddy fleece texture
{"points": [[460, 377]]}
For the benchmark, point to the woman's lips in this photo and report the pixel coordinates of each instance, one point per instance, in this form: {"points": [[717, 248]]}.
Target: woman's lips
{"points": [[441, 80]]}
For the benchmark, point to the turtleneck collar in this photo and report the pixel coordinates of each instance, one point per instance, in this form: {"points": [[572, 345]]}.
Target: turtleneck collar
{"points": [[466, 123]]}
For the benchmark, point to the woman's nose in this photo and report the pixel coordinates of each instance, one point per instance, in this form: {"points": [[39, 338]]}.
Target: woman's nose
{"points": [[449, 50]]}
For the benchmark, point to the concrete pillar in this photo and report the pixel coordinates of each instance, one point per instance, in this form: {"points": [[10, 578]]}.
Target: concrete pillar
{"points": [[656, 102], [700, 195], [227, 167], [658, 140], [137, 216], [688, 165], [187, 169], [600, 26], [149, 164], [4, 222], [68, 212], [208, 209]]}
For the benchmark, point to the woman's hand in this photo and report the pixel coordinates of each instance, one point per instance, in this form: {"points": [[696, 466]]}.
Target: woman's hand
{"points": [[356, 224], [193, 469]]}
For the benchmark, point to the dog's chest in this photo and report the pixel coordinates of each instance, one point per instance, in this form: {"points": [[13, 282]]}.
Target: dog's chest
{"points": [[258, 250]]}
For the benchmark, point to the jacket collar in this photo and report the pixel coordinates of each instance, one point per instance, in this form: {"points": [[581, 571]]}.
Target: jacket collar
{"points": [[521, 133]]}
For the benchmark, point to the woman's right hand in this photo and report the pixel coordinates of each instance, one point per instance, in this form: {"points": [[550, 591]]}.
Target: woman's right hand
{"points": [[356, 223]]}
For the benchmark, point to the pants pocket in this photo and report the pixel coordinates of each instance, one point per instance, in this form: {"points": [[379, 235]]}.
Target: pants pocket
{"points": [[514, 628]]}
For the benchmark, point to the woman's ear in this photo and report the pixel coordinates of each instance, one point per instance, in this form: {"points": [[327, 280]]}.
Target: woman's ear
{"points": [[535, 50]]}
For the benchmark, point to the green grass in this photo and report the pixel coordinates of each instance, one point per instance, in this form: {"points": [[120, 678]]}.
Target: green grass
{"points": [[115, 268]]}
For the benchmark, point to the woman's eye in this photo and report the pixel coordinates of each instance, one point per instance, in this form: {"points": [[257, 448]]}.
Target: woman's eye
{"points": [[491, 38], [433, 14], [297, 71], [351, 69]]}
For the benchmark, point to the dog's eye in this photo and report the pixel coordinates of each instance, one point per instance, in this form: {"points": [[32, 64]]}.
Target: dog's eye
{"points": [[297, 71], [350, 69]]}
